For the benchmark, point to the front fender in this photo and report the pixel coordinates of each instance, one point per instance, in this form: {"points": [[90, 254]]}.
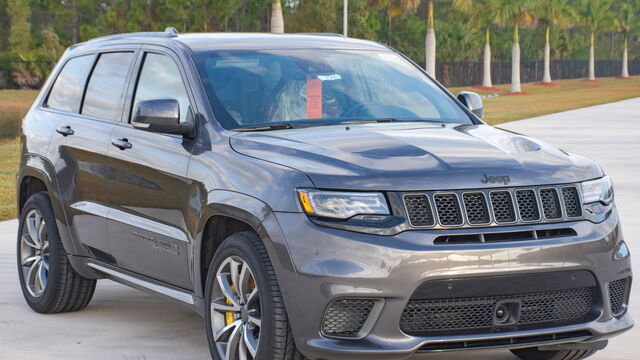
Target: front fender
{"points": [[256, 214]]}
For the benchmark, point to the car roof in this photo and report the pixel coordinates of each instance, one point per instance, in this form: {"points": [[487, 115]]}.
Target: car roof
{"points": [[205, 42]]}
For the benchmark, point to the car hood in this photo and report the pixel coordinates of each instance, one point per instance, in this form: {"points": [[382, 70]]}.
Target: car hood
{"points": [[415, 156]]}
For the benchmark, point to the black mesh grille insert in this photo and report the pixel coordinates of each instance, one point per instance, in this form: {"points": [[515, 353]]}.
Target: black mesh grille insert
{"points": [[527, 205], [617, 295], [419, 210], [476, 207], [345, 317], [572, 204], [550, 203], [448, 209], [474, 315], [502, 205]]}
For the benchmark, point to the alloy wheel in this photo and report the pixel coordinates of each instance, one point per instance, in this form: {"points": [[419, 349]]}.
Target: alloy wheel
{"points": [[235, 310], [34, 253]]}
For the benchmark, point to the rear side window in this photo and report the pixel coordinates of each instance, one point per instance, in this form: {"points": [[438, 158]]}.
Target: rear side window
{"points": [[105, 92], [66, 91]]}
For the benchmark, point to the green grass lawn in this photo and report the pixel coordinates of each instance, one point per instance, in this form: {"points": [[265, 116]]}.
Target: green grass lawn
{"points": [[542, 100], [539, 100]]}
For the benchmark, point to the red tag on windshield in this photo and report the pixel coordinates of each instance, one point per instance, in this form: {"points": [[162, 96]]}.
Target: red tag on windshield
{"points": [[314, 98]]}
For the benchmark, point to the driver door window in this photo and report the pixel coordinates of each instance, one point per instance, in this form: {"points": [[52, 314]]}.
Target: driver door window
{"points": [[160, 79]]}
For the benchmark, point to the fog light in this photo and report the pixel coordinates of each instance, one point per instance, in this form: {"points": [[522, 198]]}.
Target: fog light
{"points": [[621, 251]]}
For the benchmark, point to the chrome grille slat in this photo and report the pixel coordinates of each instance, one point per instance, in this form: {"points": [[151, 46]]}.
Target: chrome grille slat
{"points": [[493, 207]]}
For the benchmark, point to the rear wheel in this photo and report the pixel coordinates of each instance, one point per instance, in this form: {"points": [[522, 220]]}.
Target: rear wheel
{"points": [[535, 354], [245, 316], [49, 283]]}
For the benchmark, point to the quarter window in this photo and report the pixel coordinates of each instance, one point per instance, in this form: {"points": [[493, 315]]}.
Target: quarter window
{"points": [[105, 92], [66, 91], [160, 79]]}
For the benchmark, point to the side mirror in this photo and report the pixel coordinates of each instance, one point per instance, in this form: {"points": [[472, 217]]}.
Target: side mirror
{"points": [[472, 101], [161, 116]]}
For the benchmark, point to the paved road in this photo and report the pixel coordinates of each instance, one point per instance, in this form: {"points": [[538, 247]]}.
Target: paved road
{"points": [[122, 323]]}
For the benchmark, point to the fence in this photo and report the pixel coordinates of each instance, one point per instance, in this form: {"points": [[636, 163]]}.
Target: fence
{"points": [[466, 73]]}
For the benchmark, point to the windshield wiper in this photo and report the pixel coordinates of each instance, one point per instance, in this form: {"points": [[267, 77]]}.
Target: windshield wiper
{"points": [[387, 120], [265, 127]]}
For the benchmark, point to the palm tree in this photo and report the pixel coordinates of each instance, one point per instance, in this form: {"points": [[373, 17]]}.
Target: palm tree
{"points": [[625, 21], [595, 15], [516, 13], [277, 20], [552, 13], [430, 40], [481, 17]]}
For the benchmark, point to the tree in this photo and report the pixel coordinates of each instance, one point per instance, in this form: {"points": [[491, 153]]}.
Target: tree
{"points": [[277, 21], [625, 21], [595, 16], [552, 13], [20, 31], [481, 13], [430, 40], [518, 14]]}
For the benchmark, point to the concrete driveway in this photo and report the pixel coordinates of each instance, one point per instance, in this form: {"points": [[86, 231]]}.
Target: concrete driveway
{"points": [[122, 323]]}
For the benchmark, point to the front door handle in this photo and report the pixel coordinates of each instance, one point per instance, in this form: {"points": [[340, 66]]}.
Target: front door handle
{"points": [[122, 144], [65, 130]]}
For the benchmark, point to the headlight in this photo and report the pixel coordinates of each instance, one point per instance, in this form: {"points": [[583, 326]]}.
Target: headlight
{"points": [[342, 205], [600, 190]]}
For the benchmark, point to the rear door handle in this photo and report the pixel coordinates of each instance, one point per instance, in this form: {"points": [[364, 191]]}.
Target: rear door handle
{"points": [[65, 130], [122, 144]]}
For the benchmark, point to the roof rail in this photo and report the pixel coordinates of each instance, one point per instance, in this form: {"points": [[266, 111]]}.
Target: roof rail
{"points": [[167, 33], [322, 34]]}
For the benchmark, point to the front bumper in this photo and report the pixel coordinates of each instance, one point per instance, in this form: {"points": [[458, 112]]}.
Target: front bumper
{"points": [[332, 264]]}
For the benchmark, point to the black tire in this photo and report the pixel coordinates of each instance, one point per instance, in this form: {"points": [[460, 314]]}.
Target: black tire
{"points": [[535, 354], [276, 339], [65, 289]]}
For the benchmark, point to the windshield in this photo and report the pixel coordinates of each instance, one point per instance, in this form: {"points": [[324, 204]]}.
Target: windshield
{"points": [[268, 87]]}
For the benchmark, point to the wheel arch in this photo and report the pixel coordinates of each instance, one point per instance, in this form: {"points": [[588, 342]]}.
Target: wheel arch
{"points": [[36, 174], [229, 212]]}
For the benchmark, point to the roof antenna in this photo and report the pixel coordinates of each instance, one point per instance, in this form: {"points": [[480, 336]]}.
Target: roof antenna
{"points": [[171, 30]]}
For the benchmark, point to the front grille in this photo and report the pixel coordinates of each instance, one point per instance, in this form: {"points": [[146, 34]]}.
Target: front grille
{"points": [[448, 209], [474, 315], [475, 205], [503, 207], [345, 317], [486, 207], [419, 210], [572, 204], [618, 296], [550, 203], [527, 205]]}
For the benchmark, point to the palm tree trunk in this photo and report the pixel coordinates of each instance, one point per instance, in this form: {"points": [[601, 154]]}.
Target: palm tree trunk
{"points": [[547, 60], [431, 44], [277, 21], [486, 70], [515, 63], [592, 60], [625, 59]]}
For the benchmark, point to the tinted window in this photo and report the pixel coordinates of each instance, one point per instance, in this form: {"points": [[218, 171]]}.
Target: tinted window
{"points": [[249, 88], [107, 85], [160, 79], [66, 91]]}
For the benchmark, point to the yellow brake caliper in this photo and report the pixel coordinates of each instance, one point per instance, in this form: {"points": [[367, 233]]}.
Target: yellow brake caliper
{"points": [[229, 317]]}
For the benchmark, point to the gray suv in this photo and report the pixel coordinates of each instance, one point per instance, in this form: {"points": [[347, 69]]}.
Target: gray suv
{"points": [[312, 196]]}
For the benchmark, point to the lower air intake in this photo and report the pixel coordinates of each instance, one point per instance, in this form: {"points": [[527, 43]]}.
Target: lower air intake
{"points": [[345, 317]]}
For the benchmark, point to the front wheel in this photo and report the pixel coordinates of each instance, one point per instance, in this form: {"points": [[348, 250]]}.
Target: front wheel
{"points": [[245, 315], [535, 354]]}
